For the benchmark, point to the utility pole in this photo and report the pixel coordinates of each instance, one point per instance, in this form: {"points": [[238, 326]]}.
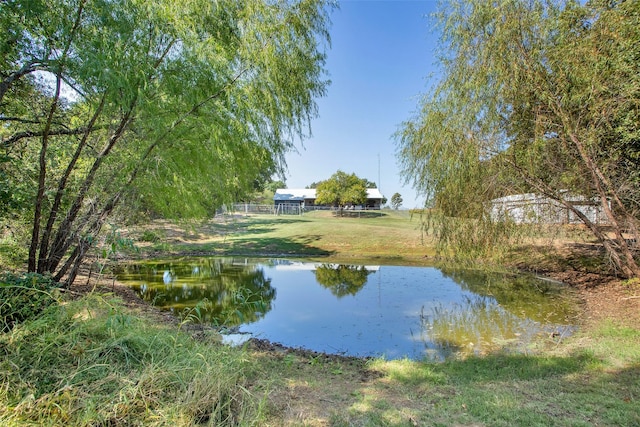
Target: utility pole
{"points": [[379, 184]]}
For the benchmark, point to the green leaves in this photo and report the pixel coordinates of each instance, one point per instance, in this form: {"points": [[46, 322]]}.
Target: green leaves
{"points": [[342, 279], [170, 108], [341, 190], [534, 97], [396, 201]]}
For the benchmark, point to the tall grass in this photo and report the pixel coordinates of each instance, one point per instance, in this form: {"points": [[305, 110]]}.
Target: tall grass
{"points": [[90, 362]]}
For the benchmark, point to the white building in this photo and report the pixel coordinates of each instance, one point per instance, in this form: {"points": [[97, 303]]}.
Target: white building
{"points": [[533, 208], [306, 198]]}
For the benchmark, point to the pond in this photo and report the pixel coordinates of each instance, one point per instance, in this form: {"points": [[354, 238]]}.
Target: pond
{"points": [[359, 310]]}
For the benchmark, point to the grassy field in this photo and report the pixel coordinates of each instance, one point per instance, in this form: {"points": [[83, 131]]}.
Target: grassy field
{"points": [[92, 360], [392, 236]]}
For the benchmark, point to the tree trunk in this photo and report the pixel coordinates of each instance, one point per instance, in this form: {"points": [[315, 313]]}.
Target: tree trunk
{"points": [[611, 247], [53, 213], [37, 215], [59, 247]]}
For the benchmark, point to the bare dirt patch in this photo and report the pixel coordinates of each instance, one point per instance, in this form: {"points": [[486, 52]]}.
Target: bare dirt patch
{"points": [[605, 297]]}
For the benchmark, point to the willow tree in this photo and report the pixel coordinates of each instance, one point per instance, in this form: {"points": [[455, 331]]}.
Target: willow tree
{"points": [[176, 105], [534, 96]]}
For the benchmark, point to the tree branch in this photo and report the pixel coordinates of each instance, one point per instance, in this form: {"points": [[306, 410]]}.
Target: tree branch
{"points": [[35, 232], [62, 240], [61, 244], [28, 67], [57, 249], [33, 134], [53, 214]]}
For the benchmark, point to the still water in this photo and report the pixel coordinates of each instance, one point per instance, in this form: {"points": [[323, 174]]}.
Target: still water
{"points": [[359, 310]]}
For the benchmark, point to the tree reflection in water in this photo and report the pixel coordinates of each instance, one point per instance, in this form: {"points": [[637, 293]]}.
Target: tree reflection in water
{"points": [[500, 311], [544, 302], [342, 279], [476, 326], [393, 311], [219, 291]]}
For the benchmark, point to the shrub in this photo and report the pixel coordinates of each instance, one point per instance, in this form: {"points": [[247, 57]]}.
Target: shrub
{"points": [[24, 297]]}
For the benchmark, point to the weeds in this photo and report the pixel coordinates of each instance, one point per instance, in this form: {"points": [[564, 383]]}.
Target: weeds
{"points": [[632, 284], [151, 236], [24, 297], [89, 362]]}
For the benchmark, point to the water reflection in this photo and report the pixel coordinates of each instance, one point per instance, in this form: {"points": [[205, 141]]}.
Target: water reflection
{"points": [[478, 326], [359, 310], [219, 291], [342, 279], [519, 295]]}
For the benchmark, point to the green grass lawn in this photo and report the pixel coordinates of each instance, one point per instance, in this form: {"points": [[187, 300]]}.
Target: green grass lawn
{"points": [[393, 236]]}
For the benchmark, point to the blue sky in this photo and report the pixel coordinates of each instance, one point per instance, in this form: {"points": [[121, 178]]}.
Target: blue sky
{"points": [[382, 53]]}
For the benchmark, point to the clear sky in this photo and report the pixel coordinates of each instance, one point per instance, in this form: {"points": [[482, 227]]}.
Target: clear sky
{"points": [[381, 56]]}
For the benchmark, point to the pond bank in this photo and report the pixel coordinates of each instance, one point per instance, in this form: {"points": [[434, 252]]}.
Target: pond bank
{"points": [[396, 238], [584, 382], [563, 382]]}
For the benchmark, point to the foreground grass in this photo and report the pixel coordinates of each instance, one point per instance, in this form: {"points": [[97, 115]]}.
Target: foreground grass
{"points": [[92, 362], [579, 387], [95, 362]]}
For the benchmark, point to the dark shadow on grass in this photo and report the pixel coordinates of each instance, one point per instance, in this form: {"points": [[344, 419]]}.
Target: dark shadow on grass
{"points": [[626, 382], [582, 257], [232, 227], [273, 246], [249, 225], [359, 214], [504, 367]]}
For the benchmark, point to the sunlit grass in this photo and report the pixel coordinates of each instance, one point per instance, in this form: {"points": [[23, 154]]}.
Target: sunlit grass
{"points": [[394, 236], [618, 345], [572, 388], [91, 362]]}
